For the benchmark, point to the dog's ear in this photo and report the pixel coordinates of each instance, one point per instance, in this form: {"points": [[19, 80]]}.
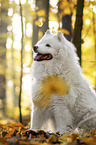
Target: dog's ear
{"points": [[47, 32], [60, 36]]}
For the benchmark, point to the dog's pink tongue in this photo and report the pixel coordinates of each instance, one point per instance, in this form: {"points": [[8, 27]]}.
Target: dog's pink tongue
{"points": [[38, 57]]}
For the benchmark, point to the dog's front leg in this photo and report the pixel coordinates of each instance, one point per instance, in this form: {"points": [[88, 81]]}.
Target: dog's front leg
{"points": [[36, 118], [63, 118]]}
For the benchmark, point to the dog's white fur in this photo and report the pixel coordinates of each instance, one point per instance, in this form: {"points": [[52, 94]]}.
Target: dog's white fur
{"points": [[78, 107]]}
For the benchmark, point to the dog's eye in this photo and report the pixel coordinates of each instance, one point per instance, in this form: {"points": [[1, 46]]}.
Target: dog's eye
{"points": [[48, 45]]}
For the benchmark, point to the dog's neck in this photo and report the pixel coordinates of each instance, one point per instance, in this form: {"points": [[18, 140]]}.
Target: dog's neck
{"points": [[43, 69]]}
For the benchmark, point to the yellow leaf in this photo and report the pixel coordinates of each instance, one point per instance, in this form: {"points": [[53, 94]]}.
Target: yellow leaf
{"points": [[67, 11], [71, 6], [33, 13], [41, 13], [36, 8], [92, 2], [89, 141], [44, 143], [65, 138], [52, 139], [43, 19], [64, 5], [65, 31], [37, 23], [34, 17]]}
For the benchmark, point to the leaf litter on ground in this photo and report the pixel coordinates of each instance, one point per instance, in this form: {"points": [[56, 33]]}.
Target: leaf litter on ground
{"points": [[18, 134]]}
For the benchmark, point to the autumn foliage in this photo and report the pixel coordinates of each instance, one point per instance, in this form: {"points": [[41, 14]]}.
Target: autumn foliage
{"points": [[17, 134]]}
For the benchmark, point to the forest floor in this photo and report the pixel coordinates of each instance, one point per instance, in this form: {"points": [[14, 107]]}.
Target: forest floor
{"points": [[18, 134]]}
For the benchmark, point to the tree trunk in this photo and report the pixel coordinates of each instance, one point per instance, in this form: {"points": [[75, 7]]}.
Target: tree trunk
{"points": [[78, 27], [35, 34], [66, 24], [45, 6], [42, 5], [21, 75], [66, 13], [3, 36], [94, 32], [35, 27]]}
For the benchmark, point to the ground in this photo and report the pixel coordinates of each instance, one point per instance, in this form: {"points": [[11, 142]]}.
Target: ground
{"points": [[17, 133]]}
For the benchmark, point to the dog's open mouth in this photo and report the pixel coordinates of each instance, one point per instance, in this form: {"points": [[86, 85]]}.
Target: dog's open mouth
{"points": [[41, 57]]}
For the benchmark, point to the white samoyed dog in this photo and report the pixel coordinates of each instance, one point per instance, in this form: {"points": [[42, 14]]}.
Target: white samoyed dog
{"points": [[59, 89]]}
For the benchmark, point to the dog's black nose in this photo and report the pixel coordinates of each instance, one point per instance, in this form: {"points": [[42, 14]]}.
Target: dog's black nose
{"points": [[35, 48]]}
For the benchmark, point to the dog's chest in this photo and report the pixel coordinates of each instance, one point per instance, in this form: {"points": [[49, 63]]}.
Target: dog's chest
{"points": [[50, 87]]}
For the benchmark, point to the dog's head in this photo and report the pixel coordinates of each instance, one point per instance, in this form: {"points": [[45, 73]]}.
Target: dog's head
{"points": [[52, 47]]}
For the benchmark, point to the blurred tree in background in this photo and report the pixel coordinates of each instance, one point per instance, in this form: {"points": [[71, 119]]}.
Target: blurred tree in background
{"points": [[65, 9], [41, 17], [3, 38], [77, 36], [37, 17]]}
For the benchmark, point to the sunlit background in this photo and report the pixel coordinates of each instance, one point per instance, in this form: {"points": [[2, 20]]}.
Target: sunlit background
{"points": [[13, 46]]}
